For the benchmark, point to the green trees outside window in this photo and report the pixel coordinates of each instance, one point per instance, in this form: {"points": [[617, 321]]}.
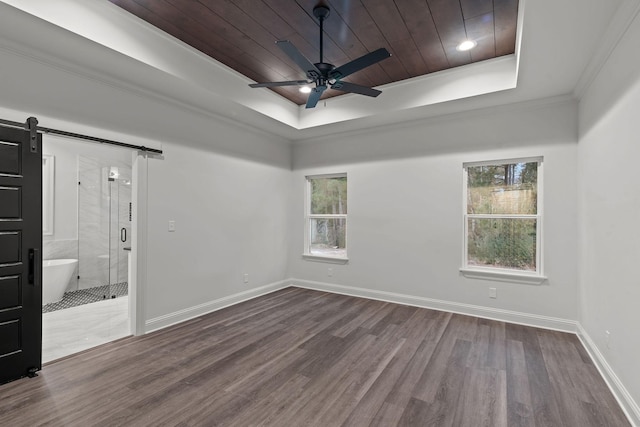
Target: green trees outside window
{"points": [[327, 216], [502, 218]]}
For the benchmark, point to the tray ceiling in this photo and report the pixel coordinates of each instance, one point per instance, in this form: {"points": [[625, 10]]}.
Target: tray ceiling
{"points": [[422, 35]]}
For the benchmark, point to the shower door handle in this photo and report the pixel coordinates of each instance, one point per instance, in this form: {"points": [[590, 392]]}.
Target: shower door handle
{"points": [[123, 235]]}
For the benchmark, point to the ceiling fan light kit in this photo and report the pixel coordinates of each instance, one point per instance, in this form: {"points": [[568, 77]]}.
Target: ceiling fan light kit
{"points": [[322, 74], [466, 45]]}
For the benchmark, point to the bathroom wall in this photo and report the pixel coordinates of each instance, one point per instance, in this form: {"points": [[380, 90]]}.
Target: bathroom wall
{"points": [[102, 205], [63, 242]]}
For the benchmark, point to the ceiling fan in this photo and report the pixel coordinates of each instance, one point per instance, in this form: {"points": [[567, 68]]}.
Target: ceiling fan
{"points": [[323, 74]]}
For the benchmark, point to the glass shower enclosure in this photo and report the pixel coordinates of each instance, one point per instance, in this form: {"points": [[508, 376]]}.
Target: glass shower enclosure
{"points": [[104, 227]]}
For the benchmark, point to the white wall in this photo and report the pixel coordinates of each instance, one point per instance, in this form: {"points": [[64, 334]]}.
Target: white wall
{"points": [[223, 183], [230, 210], [231, 219], [239, 209], [405, 206], [609, 208]]}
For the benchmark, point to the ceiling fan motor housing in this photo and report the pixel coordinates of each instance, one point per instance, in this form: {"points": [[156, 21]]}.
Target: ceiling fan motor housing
{"points": [[324, 69], [321, 11]]}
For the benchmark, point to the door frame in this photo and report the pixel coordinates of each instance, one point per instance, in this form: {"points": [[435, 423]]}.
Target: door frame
{"points": [[139, 239], [139, 229], [138, 254]]}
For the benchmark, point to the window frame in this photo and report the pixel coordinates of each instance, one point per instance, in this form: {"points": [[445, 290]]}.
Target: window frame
{"points": [[308, 217], [497, 273]]}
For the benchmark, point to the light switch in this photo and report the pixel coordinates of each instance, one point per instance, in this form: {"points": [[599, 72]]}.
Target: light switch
{"points": [[172, 226]]}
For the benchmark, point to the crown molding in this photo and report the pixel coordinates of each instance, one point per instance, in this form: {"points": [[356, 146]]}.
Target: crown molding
{"points": [[455, 116], [620, 23], [80, 70]]}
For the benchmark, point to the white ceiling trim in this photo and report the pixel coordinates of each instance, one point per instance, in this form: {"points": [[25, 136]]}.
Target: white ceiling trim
{"points": [[455, 116], [620, 23], [475, 79], [110, 26], [100, 41]]}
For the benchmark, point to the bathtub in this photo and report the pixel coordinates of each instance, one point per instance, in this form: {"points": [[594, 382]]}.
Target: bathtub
{"points": [[56, 274]]}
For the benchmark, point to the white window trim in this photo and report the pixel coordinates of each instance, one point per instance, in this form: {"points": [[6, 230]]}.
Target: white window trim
{"points": [[327, 259], [504, 274], [308, 217]]}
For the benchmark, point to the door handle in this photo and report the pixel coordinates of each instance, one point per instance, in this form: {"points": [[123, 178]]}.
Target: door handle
{"points": [[123, 235], [34, 266]]}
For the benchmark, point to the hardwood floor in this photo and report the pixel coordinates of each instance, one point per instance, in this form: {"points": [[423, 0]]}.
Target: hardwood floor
{"points": [[305, 358]]}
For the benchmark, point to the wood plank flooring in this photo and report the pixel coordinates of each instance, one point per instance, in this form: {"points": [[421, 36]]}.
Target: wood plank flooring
{"points": [[298, 357]]}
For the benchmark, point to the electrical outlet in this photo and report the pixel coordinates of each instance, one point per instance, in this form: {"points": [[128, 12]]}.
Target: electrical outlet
{"points": [[172, 226], [246, 278], [607, 339], [330, 272], [493, 293]]}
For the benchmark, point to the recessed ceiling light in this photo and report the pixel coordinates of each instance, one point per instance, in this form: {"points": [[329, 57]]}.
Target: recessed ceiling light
{"points": [[305, 89], [466, 45]]}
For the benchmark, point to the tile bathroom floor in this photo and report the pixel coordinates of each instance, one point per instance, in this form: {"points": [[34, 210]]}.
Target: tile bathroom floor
{"points": [[86, 296], [75, 329]]}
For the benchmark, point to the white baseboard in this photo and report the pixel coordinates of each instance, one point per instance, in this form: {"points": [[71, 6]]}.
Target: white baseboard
{"points": [[621, 394], [454, 307], [210, 306], [527, 319], [628, 405]]}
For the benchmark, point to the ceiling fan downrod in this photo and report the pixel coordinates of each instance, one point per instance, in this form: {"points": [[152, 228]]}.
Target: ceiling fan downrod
{"points": [[321, 12]]}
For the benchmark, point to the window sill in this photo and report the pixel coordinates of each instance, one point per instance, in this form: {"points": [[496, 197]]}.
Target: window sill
{"points": [[320, 258], [503, 276]]}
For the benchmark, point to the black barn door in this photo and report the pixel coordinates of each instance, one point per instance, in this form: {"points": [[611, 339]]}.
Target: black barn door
{"points": [[20, 253]]}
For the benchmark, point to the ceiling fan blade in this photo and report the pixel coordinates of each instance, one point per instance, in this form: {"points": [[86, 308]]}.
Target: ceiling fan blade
{"points": [[287, 83], [314, 96], [296, 56], [354, 88], [359, 63]]}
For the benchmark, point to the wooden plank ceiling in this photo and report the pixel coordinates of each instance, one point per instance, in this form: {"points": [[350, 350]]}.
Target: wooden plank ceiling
{"points": [[422, 35]]}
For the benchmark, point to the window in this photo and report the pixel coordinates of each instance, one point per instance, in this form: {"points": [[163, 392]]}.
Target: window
{"points": [[326, 217], [502, 217]]}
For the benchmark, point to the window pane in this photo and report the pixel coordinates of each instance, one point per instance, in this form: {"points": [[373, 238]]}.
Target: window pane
{"points": [[328, 237], [503, 189], [502, 243], [328, 196]]}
